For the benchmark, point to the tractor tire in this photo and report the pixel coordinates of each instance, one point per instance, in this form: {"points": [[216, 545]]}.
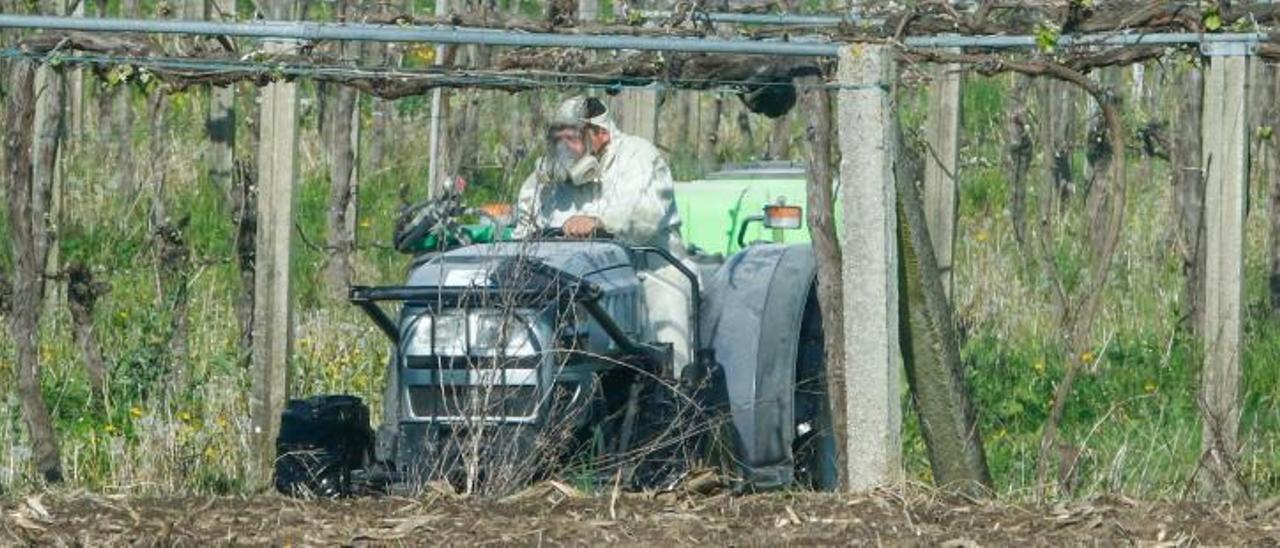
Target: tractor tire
{"points": [[763, 324], [323, 441], [813, 448]]}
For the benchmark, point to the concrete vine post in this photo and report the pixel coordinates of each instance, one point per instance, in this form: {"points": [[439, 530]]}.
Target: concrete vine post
{"points": [[1188, 188], [872, 440], [1226, 168]]}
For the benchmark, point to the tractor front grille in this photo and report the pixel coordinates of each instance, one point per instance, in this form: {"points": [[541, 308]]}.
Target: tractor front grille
{"points": [[471, 362], [473, 401]]}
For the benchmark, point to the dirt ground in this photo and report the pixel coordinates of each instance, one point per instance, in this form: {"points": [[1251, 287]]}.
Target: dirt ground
{"points": [[553, 514]]}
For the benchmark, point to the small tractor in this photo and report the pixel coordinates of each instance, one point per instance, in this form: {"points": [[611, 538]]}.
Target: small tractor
{"points": [[518, 360]]}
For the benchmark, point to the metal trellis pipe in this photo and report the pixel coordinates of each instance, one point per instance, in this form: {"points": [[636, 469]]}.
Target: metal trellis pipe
{"points": [[443, 34], [1105, 40], [782, 19], [435, 34]]}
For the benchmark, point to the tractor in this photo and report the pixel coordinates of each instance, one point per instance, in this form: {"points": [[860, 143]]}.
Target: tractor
{"points": [[515, 360]]}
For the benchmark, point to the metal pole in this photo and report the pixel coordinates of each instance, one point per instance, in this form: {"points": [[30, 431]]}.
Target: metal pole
{"points": [[1128, 39], [442, 34], [782, 19], [436, 34]]}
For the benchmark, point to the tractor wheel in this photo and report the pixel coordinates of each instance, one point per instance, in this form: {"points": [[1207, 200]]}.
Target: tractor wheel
{"points": [[814, 448]]}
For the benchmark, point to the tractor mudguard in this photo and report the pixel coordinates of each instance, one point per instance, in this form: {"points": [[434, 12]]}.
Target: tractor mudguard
{"points": [[751, 321]]}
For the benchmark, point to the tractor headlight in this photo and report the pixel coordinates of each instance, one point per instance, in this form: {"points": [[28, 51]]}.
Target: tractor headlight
{"points": [[420, 339], [499, 334], [480, 333], [451, 334]]}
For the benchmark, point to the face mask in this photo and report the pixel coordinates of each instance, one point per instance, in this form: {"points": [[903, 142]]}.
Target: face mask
{"points": [[585, 171]]}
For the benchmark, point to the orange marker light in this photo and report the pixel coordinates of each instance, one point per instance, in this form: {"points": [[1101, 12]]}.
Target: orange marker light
{"points": [[500, 213], [783, 216]]}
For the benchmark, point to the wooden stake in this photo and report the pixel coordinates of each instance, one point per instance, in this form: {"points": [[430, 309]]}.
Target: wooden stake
{"points": [[942, 135], [439, 120], [220, 157], [636, 111], [272, 313]]}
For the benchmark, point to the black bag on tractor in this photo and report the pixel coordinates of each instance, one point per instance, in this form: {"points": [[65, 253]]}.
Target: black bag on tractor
{"points": [[322, 440]]}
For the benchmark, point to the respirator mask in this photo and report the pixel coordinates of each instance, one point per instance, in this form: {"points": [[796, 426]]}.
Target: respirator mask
{"points": [[584, 171], [563, 166]]}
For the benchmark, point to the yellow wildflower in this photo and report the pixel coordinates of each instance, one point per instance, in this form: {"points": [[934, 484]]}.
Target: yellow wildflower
{"points": [[135, 411], [1149, 387], [423, 53], [110, 428], [1039, 367], [1087, 357]]}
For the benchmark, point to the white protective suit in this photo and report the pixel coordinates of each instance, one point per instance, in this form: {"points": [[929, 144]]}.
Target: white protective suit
{"points": [[634, 198]]}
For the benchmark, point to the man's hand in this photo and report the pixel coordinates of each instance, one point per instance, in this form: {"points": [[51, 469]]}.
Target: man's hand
{"points": [[581, 226]]}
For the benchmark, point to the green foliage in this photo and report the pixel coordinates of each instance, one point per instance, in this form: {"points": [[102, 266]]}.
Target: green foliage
{"points": [[986, 192], [1211, 18], [1047, 34], [983, 106]]}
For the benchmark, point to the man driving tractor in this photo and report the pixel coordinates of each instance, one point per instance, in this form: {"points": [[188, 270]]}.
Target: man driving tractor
{"points": [[596, 179]]}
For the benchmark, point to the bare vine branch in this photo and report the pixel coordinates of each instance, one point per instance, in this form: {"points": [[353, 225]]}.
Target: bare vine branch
{"points": [[1081, 309]]}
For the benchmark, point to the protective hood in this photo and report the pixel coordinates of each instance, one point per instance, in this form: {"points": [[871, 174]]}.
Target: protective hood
{"points": [[577, 113], [580, 111]]}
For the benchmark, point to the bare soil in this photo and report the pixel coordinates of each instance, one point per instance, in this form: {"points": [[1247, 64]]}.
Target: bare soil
{"points": [[556, 515]]}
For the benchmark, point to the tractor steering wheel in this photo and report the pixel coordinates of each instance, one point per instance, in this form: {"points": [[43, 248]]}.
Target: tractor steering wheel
{"points": [[549, 233], [557, 233]]}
